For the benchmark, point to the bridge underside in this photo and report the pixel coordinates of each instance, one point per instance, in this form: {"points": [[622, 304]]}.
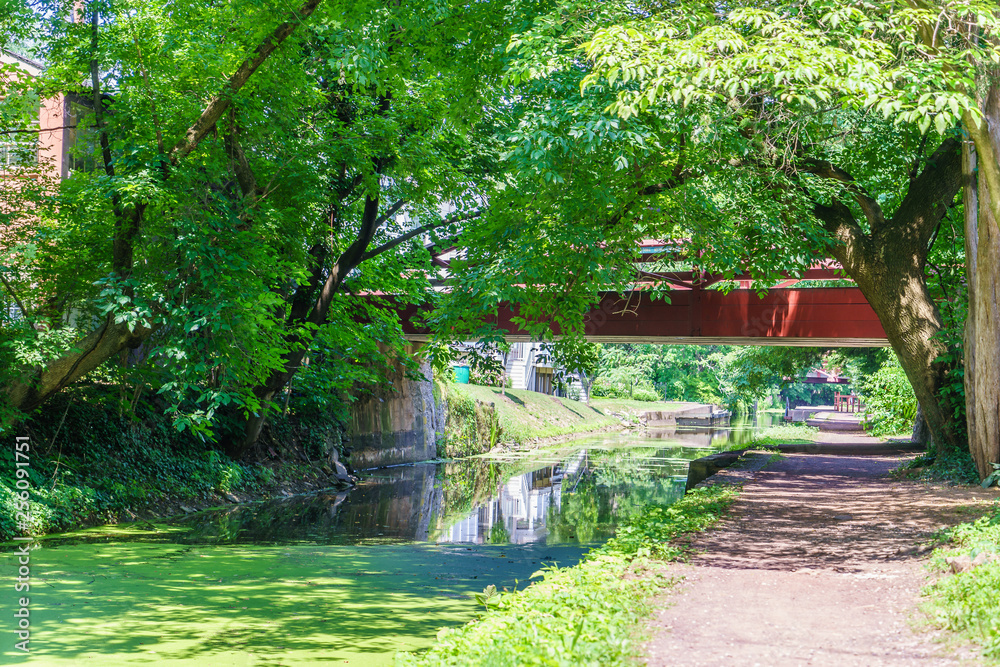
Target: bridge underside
{"points": [[815, 317], [776, 341]]}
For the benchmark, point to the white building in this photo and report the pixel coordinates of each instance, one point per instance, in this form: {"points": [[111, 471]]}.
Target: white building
{"points": [[529, 366]]}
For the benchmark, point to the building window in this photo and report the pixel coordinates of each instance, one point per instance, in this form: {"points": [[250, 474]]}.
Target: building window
{"points": [[516, 352], [17, 151], [81, 139]]}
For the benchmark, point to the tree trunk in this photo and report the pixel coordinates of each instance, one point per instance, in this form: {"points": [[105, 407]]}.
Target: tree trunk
{"points": [[921, 434], [982, 251], [911, 321], [87, 354], [888, 266]]}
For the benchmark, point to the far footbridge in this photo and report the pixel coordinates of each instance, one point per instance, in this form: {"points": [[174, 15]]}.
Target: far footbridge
{"points": [[788, 315]]}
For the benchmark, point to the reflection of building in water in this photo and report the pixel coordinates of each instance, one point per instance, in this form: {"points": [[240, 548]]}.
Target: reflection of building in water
{"points": [[518, 514]]}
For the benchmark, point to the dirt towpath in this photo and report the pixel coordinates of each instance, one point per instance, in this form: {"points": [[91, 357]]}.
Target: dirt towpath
{"points": [[819, 562]]}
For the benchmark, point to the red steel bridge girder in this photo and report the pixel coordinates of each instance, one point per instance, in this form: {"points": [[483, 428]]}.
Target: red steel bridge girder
{"points": [[821, 317]]}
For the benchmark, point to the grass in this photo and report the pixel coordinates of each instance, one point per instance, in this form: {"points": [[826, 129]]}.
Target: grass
{"points": [[782, 434], [586, 614], [966, 602], [480, 417], [609, 405], [525, 415]]}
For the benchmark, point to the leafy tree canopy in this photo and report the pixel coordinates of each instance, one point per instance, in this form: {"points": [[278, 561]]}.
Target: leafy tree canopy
{"points": [[241, 165]]}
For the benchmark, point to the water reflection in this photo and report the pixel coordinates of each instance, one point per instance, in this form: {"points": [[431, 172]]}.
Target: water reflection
{"points": [[576, 495], [738, 432], [581, 498], [518, 514]]}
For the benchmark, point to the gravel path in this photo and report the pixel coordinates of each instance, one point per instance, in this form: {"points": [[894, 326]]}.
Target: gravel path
{"points": [[818, 563]]}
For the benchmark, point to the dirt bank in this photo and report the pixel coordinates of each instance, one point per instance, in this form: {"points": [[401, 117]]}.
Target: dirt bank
{"points": [[820, 562]]}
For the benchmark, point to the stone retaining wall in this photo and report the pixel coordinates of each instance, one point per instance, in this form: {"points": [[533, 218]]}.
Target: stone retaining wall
{"points": [[402, 425]]}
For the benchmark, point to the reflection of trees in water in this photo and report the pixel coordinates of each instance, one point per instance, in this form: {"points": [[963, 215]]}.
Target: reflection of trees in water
{"points": [[579, 500], [467, 484], [618, 484], [592, 511], [393, 504], [639, 466], [583, 515], [297, 518]]}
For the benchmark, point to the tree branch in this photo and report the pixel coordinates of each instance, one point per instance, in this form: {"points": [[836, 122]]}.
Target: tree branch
{"points": [[382, 219], [302, 299], [824, 169], [840, 224], [929, 196], [39, 130], [675, 181], [678, 179], [95, 83], [218, 105], [389, 245], [127, 223], [241, 166], [13, 295]]}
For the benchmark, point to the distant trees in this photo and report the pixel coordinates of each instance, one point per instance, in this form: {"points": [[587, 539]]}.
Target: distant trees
{"points": [[727, 374]]}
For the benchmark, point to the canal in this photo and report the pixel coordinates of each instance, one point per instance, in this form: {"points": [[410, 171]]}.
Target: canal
{"points": [[342, 578]]}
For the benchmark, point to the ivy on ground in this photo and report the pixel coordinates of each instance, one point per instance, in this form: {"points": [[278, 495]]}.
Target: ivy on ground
{"points": [[90, 465]]}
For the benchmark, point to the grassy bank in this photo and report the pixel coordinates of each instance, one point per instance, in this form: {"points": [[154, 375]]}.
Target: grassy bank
{"points": [[782, 434], [480, 417], [966, 602], [622, 405], [785, 434], [586, 614]]}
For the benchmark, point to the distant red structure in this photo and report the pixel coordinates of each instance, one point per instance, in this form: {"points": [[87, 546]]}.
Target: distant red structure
{"points": [[821, 317], [846, 402]]}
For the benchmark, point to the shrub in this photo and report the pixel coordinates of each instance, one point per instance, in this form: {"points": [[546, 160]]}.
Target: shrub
{"points": [[965, 602], [890, 405], [645, 395], [472, 427], [623, 382], [100, 466]]}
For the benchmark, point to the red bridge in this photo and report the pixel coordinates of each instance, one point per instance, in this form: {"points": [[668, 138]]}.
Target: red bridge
{"points": [[821, 317], [785, 315]]}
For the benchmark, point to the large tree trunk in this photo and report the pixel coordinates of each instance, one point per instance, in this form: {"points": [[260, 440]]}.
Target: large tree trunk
{"points": [[900, 298], [38, 384], [982, 251], [888, 266]]}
